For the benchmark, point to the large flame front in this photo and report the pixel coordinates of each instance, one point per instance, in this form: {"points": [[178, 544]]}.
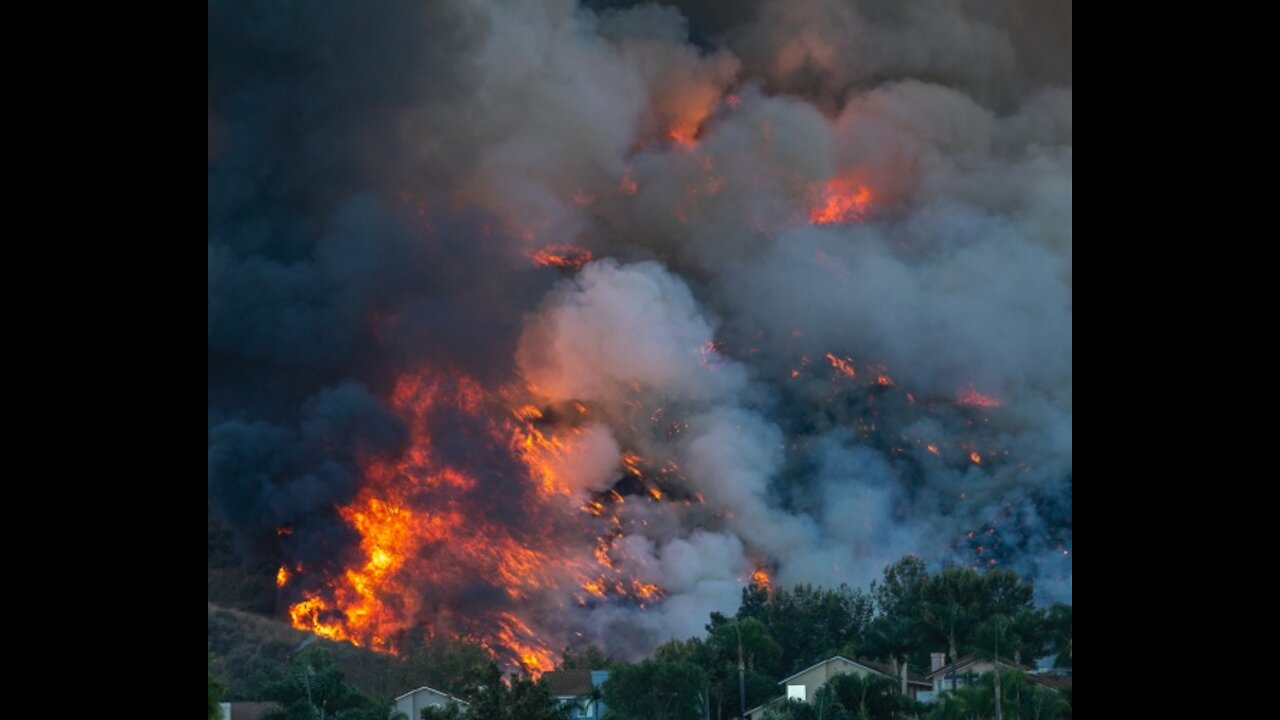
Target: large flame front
{"points": [[434, 539]]}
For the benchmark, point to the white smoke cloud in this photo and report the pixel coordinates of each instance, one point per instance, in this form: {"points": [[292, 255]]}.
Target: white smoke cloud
{"points": [[691, 170]]}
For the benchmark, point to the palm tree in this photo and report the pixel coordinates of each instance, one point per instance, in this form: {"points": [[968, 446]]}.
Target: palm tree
{"points": [[952, 601], [870, 697], [948, 618], [893, 639], [993, 633]]}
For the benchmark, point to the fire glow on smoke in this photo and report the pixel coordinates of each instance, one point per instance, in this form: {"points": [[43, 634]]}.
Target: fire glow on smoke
{"points": [[763, 329]]}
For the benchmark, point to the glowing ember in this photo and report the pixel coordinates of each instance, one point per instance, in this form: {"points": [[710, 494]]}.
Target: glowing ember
{"points": [[976, 458], [565, 257], [628, 186], [843, 200], [973, 398], [282, 576], [648, 591], [683, 138], [843, 365], [284, 531], [933, 449], [884, 380], [709, 354], [631, 462]]}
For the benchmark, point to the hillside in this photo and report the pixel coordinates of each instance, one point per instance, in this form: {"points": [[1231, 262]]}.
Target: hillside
{"points": [[247, 648]]}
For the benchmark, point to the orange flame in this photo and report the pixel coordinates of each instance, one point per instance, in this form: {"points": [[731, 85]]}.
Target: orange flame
{"points": [[843, 365], [683, 137], [761, 578], [843, 200], [422, 524], [563, 256], [973, 398]]}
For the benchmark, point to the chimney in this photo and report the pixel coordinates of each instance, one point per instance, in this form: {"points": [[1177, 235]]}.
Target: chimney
{"points": [[937, 661]]}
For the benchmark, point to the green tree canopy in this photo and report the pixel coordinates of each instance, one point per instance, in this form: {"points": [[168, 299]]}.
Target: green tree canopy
{"points": [[215, 693], [808, 623], [311, 687], [516, 699], [655, 690], [1059, 631], [854, 697]]}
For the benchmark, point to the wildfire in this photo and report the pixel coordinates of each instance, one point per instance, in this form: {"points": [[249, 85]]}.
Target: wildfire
{"points": [[683, 137], [843, 365], [424, 523], [563, 256], [973, 398], [761, 578], [843, 200]]}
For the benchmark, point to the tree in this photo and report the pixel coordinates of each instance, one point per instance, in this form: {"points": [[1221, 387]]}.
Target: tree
{"points": [[994, 632], [1003, 592], [588, 658], [451, 711], [952, 603], [791, 709], [893, 638], [1059, 622], [701, 654], [965, 703], [215, 693], [900, 595], [455, 666], [859, 697], [654, 690], [809, 623], [311, 687], [516, 699], [1028, 635], [760, 650]]}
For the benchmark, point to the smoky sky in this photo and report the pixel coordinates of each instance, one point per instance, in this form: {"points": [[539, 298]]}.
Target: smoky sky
{"points": [[377, 176]]}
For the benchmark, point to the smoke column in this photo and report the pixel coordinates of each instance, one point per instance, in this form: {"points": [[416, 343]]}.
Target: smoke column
{"points": [[545, 323]]}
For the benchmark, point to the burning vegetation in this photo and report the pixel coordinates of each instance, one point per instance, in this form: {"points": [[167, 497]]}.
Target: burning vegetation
{"points": [[789, 346]]}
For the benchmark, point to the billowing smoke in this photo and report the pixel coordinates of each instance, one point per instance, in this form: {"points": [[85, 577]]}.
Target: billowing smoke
{"points": [[828, 322]]}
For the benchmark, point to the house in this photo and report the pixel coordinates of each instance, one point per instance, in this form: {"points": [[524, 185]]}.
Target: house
{"points": [[804, 685], [414, 702], [579, 688], [961, 673], [1057, 680]]}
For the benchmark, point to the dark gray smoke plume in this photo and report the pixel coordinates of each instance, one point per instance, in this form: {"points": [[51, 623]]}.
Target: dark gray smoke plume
{"points": [[380, 174]]}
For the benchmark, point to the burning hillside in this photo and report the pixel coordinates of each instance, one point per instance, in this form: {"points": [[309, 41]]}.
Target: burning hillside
{"points": [[546, 324]]}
